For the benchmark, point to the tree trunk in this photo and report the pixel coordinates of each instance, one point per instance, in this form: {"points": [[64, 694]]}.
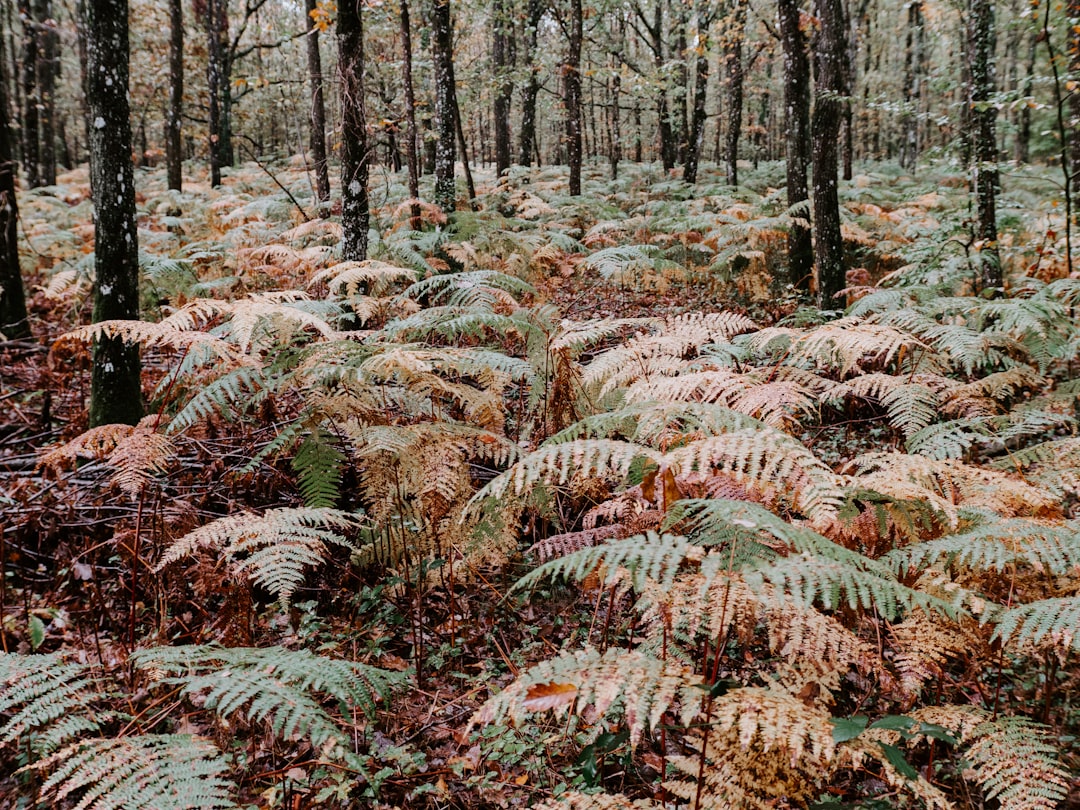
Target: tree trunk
{"points": [[48, 70], [442, 57], [14, 324], [1074, 98], [909, 148], [462, 143], [981, 42], [31, 154], [412, 158], [532, 87], [1022, 146], [668, 146], [502, 53], [701, 84], [355, 214], [830, 58], [174, 116], [797, 121], [681, 123], [615, 154], [217, 44], [572, 86], [318, 108], [115, 389], [733, 63]]}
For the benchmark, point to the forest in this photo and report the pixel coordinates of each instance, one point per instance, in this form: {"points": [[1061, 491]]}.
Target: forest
{"points": [[570, 404]]}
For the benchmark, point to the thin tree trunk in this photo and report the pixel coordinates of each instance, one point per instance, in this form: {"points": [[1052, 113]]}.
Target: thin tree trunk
{"points": [[215, 70], [31, 153], [502, 53], [733, 64], [318, 108], [355, 156], [1022, 146], [981, 42], [14, 323], [701, 84], [531, 88], [442, 57], [174, 115], [797, 121], [463, 145], [572, 86], [48, 69], [830, 57], [115, 388], [1074, 98], [616, 124], [909, 149], [668, 146], [412, 158], [681, 124]]}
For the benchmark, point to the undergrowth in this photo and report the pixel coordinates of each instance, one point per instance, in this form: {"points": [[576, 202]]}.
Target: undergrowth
{"points": [[567, 502]]}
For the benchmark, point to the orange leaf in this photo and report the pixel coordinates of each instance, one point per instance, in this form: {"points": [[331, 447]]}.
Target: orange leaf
{"points": [[544, 696]]}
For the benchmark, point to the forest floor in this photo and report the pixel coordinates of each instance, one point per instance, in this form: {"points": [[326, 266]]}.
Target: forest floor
{"points": [[81, 544]]}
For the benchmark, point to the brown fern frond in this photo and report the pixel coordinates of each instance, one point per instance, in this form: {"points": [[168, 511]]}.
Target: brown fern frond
{"points": [[559, 545], [134, 453]]}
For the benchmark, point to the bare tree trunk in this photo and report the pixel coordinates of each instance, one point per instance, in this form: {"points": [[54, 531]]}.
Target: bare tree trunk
{"points": [[31, 153], [115, 386], [733, 64], [1074, 98], [797, 120], [318, 108], [412, 157], [48, 70], [14, 323], [830, 58], [532, 86], [502, 53], [442, 57], [572, 86], [909, 148], [981, 41], [355, 155], [217, 44], [1022, 145], [701, 84], [463, 146], [174, 115], [681, 122], [615, 155]]}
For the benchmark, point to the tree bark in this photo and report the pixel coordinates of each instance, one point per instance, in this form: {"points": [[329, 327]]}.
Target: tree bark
{"points": [[981, 41], [443, 59], [31, 154], [318, 108], [572, 86], [701, 84], [115, 388], [532, 87], [909, 148], [615, 154], [830, 62], [14, 323], [1022, 145], [48, 69], [502, 53], [174, 116], [217, 36], [797, 120], [1074, 98], [733, 64], [355, 213], [412, 157]]}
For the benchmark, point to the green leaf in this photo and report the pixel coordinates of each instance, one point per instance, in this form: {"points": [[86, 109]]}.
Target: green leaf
{"points": [[848, 728], [894, 722], [37, 632], [896, 759]]}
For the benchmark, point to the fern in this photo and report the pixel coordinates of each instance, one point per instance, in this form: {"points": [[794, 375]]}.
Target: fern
{"points": [[1016, 762], [641, 686], [273, 548], [163, 771], [1046, 620], [272, 684], [319, 466], [46, 700]]}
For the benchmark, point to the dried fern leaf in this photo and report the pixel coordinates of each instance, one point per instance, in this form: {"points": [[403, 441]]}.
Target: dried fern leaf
{"points": [[637, 684]]}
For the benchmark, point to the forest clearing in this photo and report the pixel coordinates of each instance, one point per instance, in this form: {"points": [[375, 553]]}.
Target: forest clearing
{"points": [[390, 465]]}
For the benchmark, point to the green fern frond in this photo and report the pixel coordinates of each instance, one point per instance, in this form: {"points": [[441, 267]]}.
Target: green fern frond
{"points": [[1054, 620], [273, 683], [641, 686], [273, 548], [45, 698], [163, 771], [318, 464], [239, 385]]}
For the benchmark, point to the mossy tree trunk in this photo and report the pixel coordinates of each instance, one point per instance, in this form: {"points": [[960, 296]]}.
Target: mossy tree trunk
{"points": [[797, 122], [572, 96], [318, 108], [981, 42], [13, 319], [173, 116], [445, 130], [115, 390]]}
